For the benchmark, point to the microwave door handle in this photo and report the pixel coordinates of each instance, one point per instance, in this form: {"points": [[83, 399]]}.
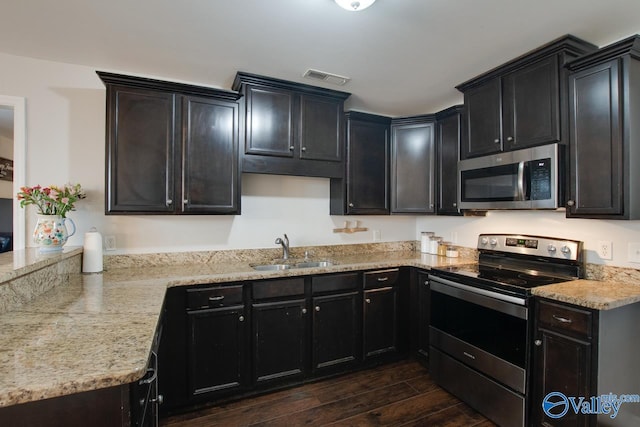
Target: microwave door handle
{"points": [[521, 181]]}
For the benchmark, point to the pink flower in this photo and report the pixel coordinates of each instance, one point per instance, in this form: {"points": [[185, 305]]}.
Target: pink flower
{"points": [[65, 200]]}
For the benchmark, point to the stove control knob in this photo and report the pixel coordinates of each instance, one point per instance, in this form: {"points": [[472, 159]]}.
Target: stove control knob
{"points": [[484, 241], [494, 241], [551, 249], [565, 250]]}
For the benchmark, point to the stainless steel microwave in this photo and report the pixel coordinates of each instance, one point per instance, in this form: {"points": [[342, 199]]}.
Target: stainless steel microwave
{"points": [[524, 179]]}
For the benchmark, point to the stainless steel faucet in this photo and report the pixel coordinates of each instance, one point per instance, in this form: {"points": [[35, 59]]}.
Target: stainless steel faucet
{"points": [[285, 246]]}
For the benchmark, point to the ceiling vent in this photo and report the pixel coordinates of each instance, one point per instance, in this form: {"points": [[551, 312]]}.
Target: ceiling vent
{"points": [[326, 77]]}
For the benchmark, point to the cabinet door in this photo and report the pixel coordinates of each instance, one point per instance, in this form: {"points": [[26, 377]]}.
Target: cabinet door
{"points": [[216, 350], [596, 151], [279, 341], [141, 148], [210, 156], [448, 143], [269, 121], [423, 316], [336, 326], [320, 128], [531, 105], [413, 168], [483, 120], [380, 335], [561, 364], [367, 168]]}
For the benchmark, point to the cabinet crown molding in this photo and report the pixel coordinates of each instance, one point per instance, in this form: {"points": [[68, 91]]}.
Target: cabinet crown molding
{"points": [[571, 45], [243, 78], [629, 46], [183, 88]]}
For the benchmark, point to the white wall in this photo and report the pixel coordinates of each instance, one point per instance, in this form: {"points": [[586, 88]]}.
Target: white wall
{"points": [[65, 143], [542, 223]]}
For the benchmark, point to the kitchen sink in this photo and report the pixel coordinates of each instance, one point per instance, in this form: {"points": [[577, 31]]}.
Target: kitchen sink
{"points": [[303, 264], [311, 264], [272, 267]]}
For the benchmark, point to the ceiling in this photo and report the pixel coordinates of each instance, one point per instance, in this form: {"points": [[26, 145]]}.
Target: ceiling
{"points": [[404, 56]]}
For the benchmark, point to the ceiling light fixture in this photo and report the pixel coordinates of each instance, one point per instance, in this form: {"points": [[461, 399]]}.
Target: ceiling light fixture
{"points": [[354, 5]]}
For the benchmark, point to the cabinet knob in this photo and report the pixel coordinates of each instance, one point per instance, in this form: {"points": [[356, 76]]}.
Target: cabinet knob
{"points": [[291, 147], [304, 311], [368, 300], [185, 201], [455, 204], [317, 308], [430, 205], [570, 203], [304, 149], [241, 318], [509, 138], [350, 205], [538, 343], [169, 202], [159, 399], [497, 140]]}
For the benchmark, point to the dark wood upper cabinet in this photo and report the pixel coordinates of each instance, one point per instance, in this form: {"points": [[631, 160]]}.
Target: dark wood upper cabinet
{"points": [[291, 128], [171, 148], [413, 165], [365, 190], [448, 137], [522, 103], [604, 90]]}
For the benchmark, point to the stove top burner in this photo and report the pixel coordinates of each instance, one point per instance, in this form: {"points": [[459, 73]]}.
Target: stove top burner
{"points": [[513, 264]]}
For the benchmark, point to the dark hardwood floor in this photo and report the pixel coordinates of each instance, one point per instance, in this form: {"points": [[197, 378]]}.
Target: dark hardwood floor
{"points": [[399, 394]]}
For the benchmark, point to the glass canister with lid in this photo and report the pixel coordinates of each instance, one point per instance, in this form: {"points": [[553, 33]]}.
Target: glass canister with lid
{"points": [[425, 237], [434, 242]]}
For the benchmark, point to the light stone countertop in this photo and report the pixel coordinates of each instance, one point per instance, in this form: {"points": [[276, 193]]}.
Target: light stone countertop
{"points": [[96, 330], [599, 295]]}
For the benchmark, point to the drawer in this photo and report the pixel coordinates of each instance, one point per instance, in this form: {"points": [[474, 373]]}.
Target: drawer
{"points": [[564, 318], [278, 288], [381, 278], [334, 283], [213, 297]]}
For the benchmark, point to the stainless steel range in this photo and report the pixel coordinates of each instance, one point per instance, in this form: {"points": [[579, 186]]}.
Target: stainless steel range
{"points": [[480, 329]]}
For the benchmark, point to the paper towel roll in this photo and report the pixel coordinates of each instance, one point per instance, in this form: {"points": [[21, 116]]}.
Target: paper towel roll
{"points": [[92, 252]]}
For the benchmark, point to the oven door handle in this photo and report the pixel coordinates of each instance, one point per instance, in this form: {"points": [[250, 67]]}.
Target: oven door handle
{"points": [[504, 303]]}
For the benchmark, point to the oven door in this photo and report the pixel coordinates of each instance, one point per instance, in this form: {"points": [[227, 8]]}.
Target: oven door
{"points": [[483, 329]]}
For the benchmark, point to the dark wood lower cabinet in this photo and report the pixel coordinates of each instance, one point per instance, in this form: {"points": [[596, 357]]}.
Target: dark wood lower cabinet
{"points": [[216, 351], [280, 337], [225, 341], [423, 317], [380, 327], [336, 326]]}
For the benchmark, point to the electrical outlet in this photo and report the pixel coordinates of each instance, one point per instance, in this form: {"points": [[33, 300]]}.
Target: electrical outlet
{"points": [[110, 243], [605, 249], [634, 252], [376, 235]]}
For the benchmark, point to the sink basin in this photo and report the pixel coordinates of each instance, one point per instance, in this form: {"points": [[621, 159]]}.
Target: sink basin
{"points": [[280, 266], [311, 264], [272, 267]]}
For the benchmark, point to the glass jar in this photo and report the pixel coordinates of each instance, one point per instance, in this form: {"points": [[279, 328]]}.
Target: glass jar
{"points": [[452, 252], [433, 244], [442, 248], [424, 241]]}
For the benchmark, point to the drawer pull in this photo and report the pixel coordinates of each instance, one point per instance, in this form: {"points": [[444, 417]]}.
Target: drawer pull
{"points": [[383, 279], [470, 356], [218, 298], [368, 300], [538, 343], [562, 319], [241, 318]]}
